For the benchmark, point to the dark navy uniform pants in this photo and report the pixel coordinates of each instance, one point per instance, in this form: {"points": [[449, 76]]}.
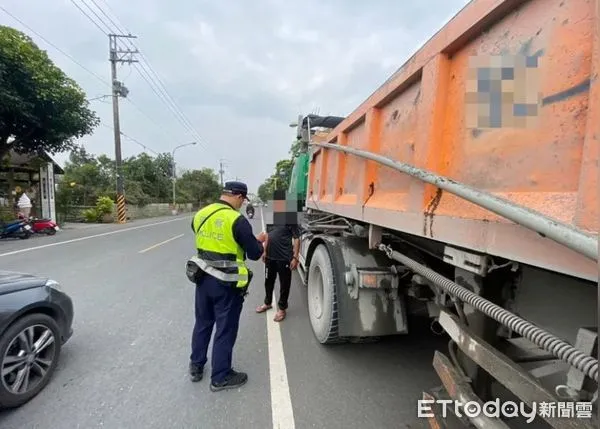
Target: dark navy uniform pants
{"points": [[220, 304]]}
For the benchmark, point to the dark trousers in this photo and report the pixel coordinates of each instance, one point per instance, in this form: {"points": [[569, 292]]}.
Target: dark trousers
{"points": [[220, 304], [272, 270]]}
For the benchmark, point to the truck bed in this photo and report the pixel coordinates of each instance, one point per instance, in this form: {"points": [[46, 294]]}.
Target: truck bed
{"points": [[546, 161]]}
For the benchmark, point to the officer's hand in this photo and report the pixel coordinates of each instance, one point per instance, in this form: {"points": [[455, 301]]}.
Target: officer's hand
{"points": [[264, 257], [293, 264], [262, 237]]}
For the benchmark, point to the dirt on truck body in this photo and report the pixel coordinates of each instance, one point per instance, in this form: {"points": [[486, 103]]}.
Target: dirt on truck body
{"points": [[465, 189]]}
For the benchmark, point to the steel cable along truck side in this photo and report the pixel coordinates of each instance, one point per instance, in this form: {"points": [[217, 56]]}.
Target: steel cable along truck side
{"points": [[464, 193]]}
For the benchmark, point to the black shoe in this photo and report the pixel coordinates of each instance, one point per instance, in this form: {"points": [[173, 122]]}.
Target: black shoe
{"points": [[196, 372], [232, 381]]}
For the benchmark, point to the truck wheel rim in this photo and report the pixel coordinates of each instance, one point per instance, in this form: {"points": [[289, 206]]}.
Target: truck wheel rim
{"points": [[28, 358], [317, 293]]}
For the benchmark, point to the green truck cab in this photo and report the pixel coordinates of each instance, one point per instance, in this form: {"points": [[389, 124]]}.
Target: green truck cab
{"points": [[299, 178], [306, 126]]}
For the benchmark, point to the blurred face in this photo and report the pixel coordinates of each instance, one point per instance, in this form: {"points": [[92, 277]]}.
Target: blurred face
{"points": [[279, 206]]}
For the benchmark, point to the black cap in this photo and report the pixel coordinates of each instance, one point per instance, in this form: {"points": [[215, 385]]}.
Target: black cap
{"points": [[236, 188]]}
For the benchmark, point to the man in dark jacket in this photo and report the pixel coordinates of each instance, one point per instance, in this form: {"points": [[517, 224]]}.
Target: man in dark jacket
{"points": [[281, 256]]}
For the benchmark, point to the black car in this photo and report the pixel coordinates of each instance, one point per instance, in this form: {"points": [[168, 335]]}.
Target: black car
{"points": [[35, 321]]}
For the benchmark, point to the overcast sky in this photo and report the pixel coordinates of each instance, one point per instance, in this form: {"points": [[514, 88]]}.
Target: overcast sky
{"points": [[240, 71]]}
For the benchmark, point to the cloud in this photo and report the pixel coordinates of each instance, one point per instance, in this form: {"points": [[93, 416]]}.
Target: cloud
{"points": [[241, 71]]}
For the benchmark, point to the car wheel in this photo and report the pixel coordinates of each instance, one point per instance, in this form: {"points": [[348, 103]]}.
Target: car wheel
{"points": [[29, 351]]}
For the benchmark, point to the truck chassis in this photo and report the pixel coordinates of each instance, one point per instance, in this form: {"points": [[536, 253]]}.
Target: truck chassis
{"points": [[359, 290]]}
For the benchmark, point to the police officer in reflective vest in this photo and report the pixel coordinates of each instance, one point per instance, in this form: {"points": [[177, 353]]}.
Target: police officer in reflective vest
{"points": [[224, 239]]}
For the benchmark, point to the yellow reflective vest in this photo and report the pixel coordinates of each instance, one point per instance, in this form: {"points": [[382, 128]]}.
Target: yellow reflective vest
{"points": [[219, 255]]}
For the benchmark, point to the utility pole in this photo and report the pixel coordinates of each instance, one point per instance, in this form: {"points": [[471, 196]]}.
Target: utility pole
{"points": [[119, 90], [221, 171]]}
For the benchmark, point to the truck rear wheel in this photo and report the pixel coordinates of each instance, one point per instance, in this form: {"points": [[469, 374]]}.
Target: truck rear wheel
{"points": [[322, 297]]}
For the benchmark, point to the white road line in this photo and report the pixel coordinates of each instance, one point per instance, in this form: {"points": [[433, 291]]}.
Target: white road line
{"points": [[281, 402], [161, 243], [29, 249]]}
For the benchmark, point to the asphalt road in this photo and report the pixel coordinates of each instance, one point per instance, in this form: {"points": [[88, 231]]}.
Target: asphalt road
{"points": [[126, 364]]}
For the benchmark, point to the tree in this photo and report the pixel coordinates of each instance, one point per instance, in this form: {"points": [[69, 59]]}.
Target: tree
{"points": [[152, 175], [84, 180], [198, 187], [296, 148], [283, 173], [280, 179], [265, 191], [40, 107], [146, 178]]}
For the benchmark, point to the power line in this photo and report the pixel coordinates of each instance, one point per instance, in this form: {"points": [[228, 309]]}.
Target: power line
{"points": [[145, 147], [92, 73], [97, 76], [161, 86], [107, 16], [158, 88], [88, 17], [155, 82], [96, 15], [153, 79], [169, 97], [153, 121], [141, 144], [163, 96]]}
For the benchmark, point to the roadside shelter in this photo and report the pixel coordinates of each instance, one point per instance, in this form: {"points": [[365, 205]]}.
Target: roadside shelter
{"points": [[33, 173]]}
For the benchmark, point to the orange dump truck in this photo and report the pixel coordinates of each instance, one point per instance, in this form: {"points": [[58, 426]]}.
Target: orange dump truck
{"points": [[464, 193]]}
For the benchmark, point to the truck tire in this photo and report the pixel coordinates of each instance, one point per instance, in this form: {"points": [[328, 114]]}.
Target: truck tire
{"points": [[322, 297]]}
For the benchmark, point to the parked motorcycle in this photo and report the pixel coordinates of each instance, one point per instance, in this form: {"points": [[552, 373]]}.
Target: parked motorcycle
{"points": [[40, 226], [43, 226], [15, 229]]}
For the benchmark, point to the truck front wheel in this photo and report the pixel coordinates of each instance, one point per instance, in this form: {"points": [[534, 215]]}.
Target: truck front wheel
{"points": [[322, 296]]}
